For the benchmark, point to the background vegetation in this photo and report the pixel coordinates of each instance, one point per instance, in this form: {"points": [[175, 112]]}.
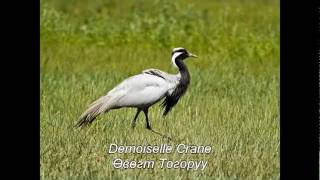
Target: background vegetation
{"points": [[232, 104]]}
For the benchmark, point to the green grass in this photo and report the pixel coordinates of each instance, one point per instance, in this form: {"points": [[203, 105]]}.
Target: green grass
{"points": [[232, 104]]}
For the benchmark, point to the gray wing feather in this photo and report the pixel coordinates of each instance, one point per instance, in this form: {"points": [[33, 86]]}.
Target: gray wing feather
{"points": [[96, 108]]}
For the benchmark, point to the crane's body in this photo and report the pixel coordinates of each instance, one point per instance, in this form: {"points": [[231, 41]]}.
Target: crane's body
{"points": [[143, 90]]}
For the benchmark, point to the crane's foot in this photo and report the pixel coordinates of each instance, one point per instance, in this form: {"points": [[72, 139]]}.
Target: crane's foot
{"points": [[164, 136]]}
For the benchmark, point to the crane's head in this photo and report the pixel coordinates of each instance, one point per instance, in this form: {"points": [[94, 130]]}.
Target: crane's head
{"points": [[180, 54]]}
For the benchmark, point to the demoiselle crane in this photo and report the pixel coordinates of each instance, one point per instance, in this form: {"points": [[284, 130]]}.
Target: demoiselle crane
{"points": [[143, 90]]}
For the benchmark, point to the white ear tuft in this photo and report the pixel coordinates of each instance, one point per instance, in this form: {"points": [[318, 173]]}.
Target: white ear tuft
{"points": [[173, 58]]}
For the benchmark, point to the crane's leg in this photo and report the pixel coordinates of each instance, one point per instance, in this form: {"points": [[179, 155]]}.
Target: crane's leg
{"points": [[149, 127], [147, 119], [133, 124]]}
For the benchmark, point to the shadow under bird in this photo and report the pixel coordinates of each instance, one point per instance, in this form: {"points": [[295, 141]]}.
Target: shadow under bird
{"points": [[143, 90]]}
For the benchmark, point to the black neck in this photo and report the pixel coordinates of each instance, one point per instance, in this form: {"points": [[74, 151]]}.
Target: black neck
{"points": [[185, 76], [180, 89]]}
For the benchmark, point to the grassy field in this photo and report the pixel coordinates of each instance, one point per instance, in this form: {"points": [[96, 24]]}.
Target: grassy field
{"points": [[232, 104]]}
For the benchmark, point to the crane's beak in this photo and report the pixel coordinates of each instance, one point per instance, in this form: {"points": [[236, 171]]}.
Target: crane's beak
{"points": [[193, 55]]}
